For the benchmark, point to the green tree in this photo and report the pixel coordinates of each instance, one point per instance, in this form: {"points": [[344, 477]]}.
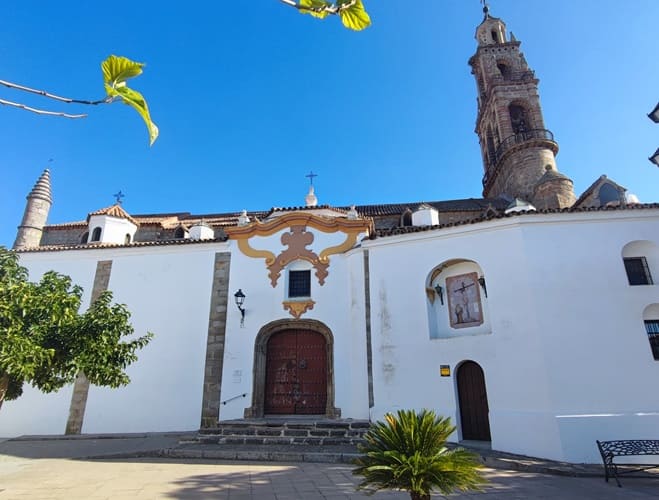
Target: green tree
{"points": [[46, 342], [408, 452]]}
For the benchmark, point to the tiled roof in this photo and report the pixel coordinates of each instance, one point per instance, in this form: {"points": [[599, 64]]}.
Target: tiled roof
{"points": [[96, 246], [114, 211], [383, 233], [465, 205]]}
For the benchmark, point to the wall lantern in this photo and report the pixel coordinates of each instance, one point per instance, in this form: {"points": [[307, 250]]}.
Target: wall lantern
{"points": [[654, 114], [481, 282], [240, 300], [655, 158], [440, 292], [444, 370]]}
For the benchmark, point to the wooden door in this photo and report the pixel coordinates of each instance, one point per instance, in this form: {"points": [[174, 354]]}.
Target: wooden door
{"points": [[474, 410], [296, 373]]}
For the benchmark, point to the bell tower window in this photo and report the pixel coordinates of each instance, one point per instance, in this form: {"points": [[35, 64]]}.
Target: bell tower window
{"points": [[504, 69], [495, 36], [518, 119]]}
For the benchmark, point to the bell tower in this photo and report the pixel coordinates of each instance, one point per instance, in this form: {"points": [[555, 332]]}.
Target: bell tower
{"points": [[519, 153]]}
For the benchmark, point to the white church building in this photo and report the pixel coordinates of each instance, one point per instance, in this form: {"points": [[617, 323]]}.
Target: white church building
{"points": [[530, 316]]}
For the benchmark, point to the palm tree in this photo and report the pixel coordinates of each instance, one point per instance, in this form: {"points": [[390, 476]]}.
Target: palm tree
{"points": [[408, 452]]}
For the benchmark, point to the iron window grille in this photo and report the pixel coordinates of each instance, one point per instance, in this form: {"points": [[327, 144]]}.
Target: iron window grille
{"points": [[299, 283], [652, 327], [638, 272]]}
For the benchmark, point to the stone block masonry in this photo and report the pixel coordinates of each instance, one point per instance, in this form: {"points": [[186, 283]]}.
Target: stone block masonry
{"points": [[217, 321], [81, 385]]}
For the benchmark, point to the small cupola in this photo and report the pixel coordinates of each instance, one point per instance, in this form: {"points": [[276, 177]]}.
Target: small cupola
{"points": [[201, 231], [492, 31], [425, 215], [111, 225]]}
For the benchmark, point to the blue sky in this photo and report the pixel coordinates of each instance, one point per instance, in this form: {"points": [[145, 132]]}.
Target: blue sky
{"points": [[251, 96]]}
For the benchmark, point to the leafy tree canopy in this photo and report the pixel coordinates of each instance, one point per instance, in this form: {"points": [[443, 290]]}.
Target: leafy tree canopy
{"points": [[46, 342]]}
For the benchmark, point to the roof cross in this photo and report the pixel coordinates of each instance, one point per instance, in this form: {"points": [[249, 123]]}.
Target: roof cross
{"points": [[311, 175], [119, 197]]}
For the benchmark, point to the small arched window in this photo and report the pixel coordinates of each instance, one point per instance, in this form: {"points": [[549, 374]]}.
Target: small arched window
{"points": [[504, 69], [651, 321], [85, 237], [518, 119], [406, 219], [127, 239], [608, 194], [96, 234], [179, 233]]}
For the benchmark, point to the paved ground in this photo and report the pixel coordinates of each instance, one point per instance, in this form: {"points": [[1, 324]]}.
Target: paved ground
{"points": [[24, 475]]}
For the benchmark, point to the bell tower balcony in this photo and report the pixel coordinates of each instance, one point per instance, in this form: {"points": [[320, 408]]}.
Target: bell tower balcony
{"points": [[542, 138]]}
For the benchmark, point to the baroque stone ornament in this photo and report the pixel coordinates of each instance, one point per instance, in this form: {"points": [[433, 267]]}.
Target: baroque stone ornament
{"points": [[298, 307], [297, 239]]}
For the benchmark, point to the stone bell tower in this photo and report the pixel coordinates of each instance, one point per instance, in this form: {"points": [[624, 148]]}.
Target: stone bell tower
{"points": [[519, 153], [36, 213]]}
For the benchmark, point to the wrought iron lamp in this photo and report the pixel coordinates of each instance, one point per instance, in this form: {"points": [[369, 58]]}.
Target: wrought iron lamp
{"points": [[240, 300], [440, 292], [654, 114], [655, 158], [481, 282]]}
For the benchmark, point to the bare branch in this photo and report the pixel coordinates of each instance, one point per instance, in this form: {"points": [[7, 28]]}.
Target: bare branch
{"points": [[39, 111], [52, 96]]}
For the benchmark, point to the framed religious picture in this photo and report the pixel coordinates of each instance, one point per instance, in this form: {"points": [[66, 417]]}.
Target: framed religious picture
{"points": [[464, 300]]}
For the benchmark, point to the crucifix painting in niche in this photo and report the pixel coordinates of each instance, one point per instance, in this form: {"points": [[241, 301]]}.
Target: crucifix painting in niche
{"points": [[464, 300]]}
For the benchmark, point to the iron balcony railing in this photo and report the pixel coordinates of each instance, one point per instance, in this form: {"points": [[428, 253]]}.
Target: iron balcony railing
{"points": [[513, 140]]}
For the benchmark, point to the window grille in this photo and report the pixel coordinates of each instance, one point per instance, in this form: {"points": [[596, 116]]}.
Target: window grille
{"points": [[638, 272], [652, 327], [299, 283]]}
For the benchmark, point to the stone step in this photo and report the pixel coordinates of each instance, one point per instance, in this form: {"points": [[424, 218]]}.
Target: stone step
{"points": [[284, 432]]}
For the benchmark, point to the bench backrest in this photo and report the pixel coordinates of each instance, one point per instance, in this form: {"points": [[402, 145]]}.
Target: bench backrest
{"points": [[610, 449]]}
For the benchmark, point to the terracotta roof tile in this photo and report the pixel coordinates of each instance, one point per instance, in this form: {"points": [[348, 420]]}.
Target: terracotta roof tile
{"points": [[95, 246], [114, 211], [383, 233]]}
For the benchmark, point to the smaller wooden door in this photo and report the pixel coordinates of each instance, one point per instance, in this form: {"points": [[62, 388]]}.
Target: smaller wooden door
{"points": [[472, 395], [296, 373]]}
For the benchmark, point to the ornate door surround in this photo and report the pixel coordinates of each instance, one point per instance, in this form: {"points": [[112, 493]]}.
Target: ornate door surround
{"points": [[257, 410]]}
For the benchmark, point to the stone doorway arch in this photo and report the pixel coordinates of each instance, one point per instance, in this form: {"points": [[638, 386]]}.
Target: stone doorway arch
{"points": [[257, 410]]}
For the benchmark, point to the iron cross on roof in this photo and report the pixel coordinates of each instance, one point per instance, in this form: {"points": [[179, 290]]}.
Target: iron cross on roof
{"points": [[119, 196], [311, 175]]}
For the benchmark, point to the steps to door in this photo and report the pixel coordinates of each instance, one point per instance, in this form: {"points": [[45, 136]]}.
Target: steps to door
{"points": [[291, 432]]}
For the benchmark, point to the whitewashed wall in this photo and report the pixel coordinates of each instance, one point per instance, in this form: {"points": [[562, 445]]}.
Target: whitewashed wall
{"points": [[339, 304], [568, 360], [167, 289]]}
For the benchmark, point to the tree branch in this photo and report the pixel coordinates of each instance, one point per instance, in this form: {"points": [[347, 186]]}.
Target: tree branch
{"points": [[332, 9], [39, 111], [52, 96]]}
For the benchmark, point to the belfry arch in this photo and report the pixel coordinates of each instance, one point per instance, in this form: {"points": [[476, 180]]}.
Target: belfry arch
{"points": [[289, 328]]}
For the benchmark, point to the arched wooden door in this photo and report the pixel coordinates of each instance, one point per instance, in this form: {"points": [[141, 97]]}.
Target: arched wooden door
{"points": [[296, 373], [472, 397]]}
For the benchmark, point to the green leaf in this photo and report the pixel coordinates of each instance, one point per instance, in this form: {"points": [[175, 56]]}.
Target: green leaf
{"points": [[354, 17], [116, 71], [313, 4]]}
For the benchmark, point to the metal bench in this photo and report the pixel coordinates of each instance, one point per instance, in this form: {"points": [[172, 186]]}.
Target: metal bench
{"points": [[628, 448]]}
